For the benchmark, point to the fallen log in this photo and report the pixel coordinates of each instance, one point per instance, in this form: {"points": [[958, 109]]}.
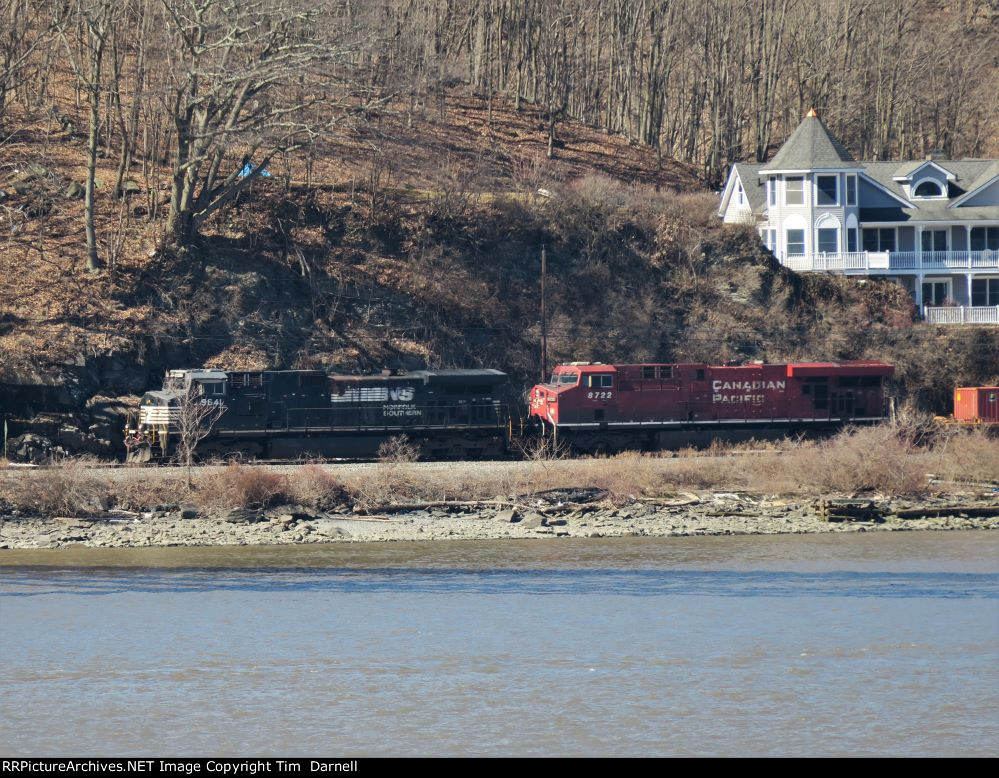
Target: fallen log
{"points": [[404, 507], [949, 510]]}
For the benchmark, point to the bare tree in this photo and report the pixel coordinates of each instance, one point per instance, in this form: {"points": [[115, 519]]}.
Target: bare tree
{"points": [[193, 418], [246, 81], [95, 20], [24, 28]]}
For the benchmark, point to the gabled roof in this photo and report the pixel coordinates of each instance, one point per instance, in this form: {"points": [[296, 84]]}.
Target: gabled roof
{"points": [[908, 171], [749, 176], [967, 173], [811, 147], [988, 175]]}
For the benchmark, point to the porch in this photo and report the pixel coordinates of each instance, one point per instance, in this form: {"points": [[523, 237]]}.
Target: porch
{"points": [[891, 262], [963, 314]]}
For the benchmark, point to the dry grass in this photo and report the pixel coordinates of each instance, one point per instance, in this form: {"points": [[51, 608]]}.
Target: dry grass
{"points": [[966, 455], [72, 489], [886, 460], [883, 459], [241, 486], [318, 488]]}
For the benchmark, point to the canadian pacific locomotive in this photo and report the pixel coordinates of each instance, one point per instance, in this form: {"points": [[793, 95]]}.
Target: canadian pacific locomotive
{"points": [[593, 407], [288, 413]]}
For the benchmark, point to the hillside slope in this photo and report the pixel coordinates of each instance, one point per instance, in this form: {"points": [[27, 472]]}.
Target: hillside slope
{"points": [[422, 253]]}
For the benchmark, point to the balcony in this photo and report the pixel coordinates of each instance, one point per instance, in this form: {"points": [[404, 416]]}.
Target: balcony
{"points": [[892, 262], [963, 314]]}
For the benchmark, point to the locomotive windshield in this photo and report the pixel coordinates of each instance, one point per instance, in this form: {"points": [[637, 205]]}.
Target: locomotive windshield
{"points": [[212, 388], [565, 378]]}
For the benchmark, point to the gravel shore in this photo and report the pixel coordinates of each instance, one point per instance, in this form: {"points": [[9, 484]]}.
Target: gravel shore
{"points": [[704, 513]]}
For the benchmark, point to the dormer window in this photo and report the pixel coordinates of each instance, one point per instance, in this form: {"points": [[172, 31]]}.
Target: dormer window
{"points": [[928, 189]]}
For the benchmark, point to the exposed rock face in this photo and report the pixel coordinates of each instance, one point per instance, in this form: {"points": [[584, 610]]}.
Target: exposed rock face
{"points": [[33, 449]]}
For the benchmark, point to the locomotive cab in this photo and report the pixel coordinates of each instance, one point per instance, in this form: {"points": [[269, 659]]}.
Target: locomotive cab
{"points": [[150, 434], [578, 391]]}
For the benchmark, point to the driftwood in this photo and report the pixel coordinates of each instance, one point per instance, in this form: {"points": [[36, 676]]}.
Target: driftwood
{"points": [[479, 504], [950, 510], [403, 507], [670, 503]]}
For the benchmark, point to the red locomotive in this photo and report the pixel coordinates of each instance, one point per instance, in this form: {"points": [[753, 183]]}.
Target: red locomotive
{"points": [[602, 408]]}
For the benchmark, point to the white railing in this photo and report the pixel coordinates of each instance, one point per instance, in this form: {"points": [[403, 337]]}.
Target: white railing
{"points": [[867, 261], [963, 314]]}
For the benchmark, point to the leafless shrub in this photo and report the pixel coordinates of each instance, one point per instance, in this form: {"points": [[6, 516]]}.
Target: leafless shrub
{"points": [[70, 488], [139, 492], [398, 449], [193, 419], [883, 458], [544, 448], [388, 483], [317, 487], [966, 455], [241, 486]]}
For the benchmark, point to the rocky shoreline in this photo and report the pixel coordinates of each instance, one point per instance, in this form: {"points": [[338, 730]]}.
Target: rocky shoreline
{"points": [[713, 513]]}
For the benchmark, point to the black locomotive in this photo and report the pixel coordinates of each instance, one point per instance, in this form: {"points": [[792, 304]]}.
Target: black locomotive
{"points": [[291, 413]]}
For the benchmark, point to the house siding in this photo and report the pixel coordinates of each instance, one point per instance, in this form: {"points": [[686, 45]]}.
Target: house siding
{"points": [[872, 197]]}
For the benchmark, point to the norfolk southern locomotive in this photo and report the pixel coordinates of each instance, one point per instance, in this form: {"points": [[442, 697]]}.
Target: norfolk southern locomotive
{"points": [[593, 407], [289, 413]]}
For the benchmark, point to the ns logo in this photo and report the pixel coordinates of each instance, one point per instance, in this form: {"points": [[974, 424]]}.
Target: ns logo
{"points": [[404, 394]]}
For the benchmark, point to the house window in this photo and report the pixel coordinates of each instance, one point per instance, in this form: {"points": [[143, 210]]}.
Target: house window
{"points": [[826, 190], [828, 240], [851, 190], [795, 241], [794, 190], [985, 238], [985, 291], [928, 189], [935, 293], [882, 239], [738, 194], [851, 239], [934, 240], [773, 239], [772, 187]]}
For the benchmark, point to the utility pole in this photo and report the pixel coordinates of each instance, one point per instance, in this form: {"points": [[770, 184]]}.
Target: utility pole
{"points": [[544, 319]]}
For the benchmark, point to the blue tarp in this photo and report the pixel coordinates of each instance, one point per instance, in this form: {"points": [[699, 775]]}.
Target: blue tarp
{"points": [[248, 168]]}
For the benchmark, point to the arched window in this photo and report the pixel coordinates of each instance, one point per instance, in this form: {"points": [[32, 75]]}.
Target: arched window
{"points": [[928, 189], [827, 234]]}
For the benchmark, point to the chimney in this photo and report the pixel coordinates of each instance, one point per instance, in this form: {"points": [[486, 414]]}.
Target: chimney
{"points": [[936, 154]]}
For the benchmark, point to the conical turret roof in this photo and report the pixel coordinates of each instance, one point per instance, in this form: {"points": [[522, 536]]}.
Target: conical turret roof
{"points": [[811, 147]]}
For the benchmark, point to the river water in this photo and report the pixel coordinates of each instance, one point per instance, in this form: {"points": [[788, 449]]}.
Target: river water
{"points": [[876, 644]]}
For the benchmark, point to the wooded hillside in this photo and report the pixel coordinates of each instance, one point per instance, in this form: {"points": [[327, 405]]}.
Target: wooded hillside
{"points": [[282, 183]]}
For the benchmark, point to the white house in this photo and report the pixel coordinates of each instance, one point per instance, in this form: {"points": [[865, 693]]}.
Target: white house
{"points": [[932, 225]]}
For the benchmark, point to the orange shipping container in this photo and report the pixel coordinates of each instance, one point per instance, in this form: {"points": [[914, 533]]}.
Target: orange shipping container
{"points": [[977, 403]]}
